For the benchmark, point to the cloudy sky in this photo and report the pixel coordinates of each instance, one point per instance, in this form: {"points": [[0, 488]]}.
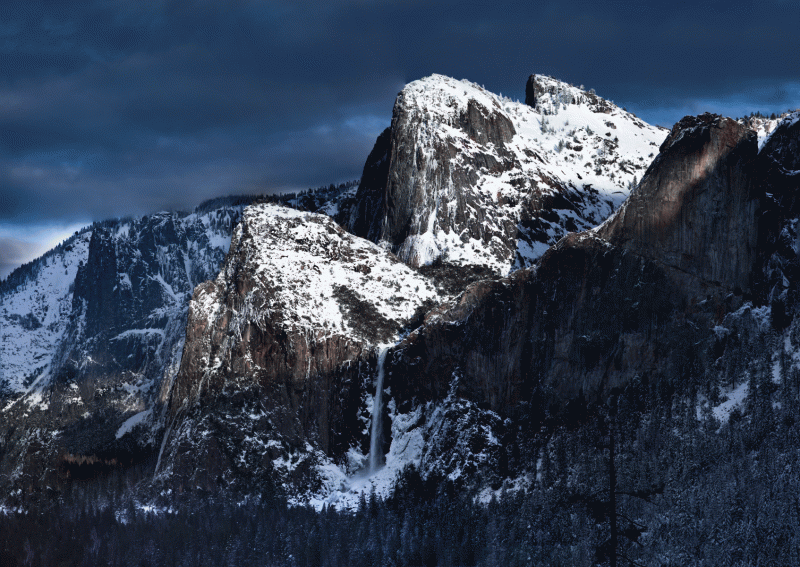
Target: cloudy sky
{"points": [[119, 107]]}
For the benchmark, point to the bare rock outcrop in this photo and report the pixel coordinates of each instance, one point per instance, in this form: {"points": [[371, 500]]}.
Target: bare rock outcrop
{"points": [[696, 208]]}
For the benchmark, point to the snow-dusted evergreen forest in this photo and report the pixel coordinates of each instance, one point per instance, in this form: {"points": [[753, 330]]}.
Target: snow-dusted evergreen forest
{"points": [[699, 492]]}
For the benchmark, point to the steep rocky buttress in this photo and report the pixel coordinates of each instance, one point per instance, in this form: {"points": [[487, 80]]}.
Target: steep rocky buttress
{"points": [[472, 178], [280, 353], [696, 210]]}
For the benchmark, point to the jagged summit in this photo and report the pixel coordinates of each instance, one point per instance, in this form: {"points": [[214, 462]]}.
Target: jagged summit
{"points": [[470, 177], [781, 129], [547, 95], [445, 97], [765, 126]]}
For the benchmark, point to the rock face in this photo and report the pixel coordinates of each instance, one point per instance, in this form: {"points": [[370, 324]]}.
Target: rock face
{"points": [[542, 92], [696, 209], [778, 275], [91, 333], [363, 217], [650, 297], [583, 320], [131, 295], [472, 178], [288, 330]]}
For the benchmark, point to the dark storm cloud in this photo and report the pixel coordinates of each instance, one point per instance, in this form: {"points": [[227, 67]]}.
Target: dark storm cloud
{"points": [[118, 107]]}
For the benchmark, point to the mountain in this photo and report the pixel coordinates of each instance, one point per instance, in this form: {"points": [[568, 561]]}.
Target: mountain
{"points": [[472, 178], [304, 379], [508, 288], [675, 294], [686, 295], [91, 333], [275, 378], [90, 359]]}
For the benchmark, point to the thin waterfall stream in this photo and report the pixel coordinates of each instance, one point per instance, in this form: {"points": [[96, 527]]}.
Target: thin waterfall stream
{"points": [[376, 428]]}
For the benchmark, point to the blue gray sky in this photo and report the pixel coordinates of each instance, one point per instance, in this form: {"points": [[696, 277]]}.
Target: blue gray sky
{"points": [[114, 108]]}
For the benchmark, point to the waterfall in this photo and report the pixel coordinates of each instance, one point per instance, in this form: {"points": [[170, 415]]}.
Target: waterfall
{"points": [[376, 429]]}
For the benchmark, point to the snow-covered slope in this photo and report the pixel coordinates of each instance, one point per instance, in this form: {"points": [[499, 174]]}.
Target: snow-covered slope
{"points": [[322, 279], [475, 178], [764, 127], [92, 331], [35, 314]]}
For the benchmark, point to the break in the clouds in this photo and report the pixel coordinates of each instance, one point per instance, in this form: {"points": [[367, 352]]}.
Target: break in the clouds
{"points": [[19, 244], [111, 108]]}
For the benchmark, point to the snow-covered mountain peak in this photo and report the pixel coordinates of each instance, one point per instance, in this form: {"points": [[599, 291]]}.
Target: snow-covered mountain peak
{"points": [[547, 95], [474, 178], [765, 127], [312, 267], [443, 97]]}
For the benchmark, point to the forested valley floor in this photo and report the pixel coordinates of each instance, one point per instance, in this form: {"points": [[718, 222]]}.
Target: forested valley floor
{"points": [[689, 490]]}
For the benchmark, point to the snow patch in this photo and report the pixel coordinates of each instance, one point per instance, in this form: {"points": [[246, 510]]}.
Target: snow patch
{"points": [[133, 421], [309, 265], [736, 399]]}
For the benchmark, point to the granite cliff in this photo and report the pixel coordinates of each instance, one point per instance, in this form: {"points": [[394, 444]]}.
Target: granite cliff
{"points": [[467, 177], [665, 295]]}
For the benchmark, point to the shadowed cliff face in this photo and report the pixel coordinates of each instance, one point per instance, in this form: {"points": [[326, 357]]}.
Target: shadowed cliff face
{"points": [[635, 299], [589, 318], [131, 296], [696, 208], [777, 280], [367, 214], [110, 343]]}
